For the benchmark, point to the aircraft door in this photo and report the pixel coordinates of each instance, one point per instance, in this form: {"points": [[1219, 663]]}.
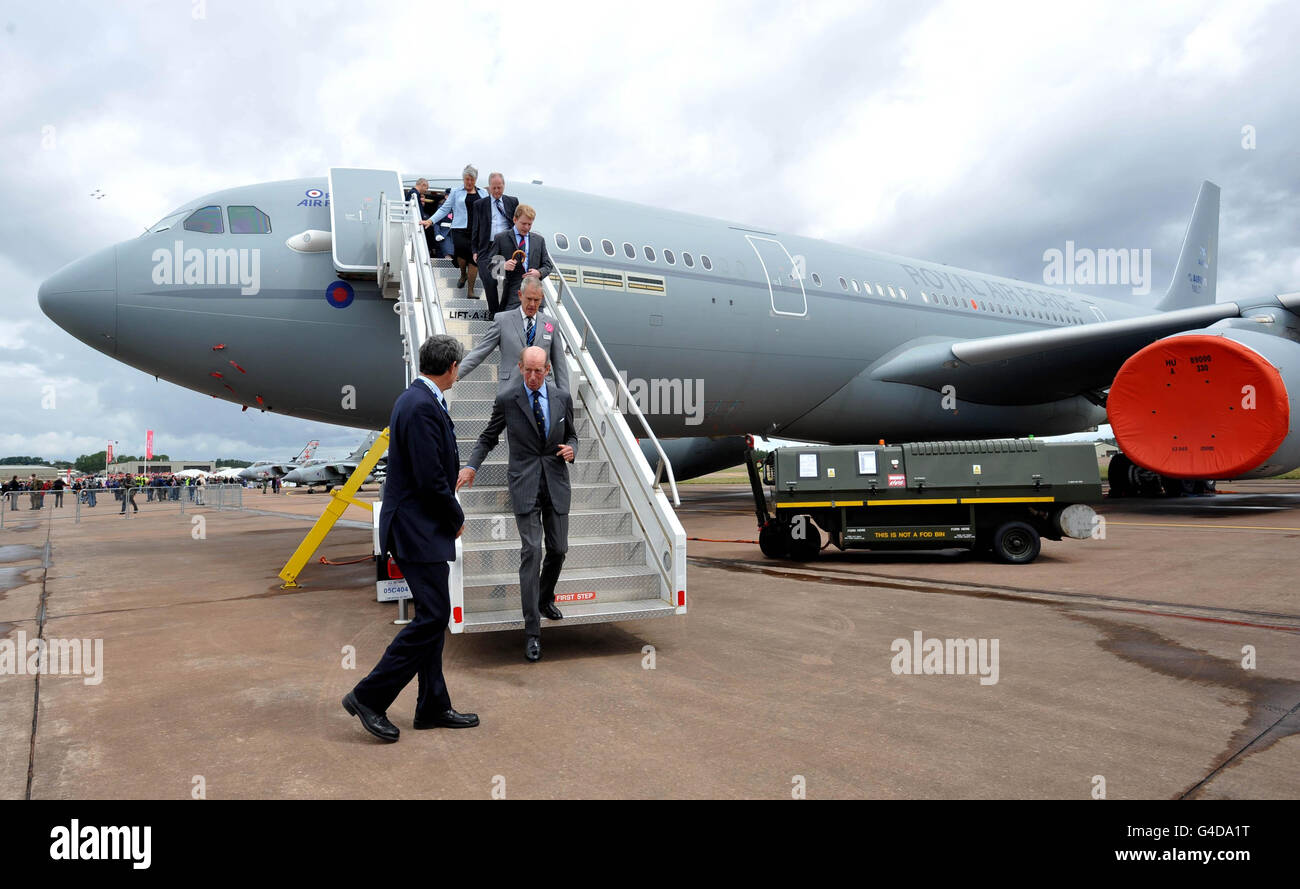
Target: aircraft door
{"points": [[784, 276], [355, 214]]}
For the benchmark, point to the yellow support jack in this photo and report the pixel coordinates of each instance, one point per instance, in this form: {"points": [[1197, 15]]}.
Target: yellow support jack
{"points": [[340, 500]]}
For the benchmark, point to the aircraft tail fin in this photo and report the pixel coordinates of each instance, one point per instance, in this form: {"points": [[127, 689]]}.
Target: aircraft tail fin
{"points": [[306, 452], [360, 452], [1193, 283]]}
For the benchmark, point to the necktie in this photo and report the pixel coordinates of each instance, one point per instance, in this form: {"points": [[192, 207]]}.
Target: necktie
{"points": [[531, 332], [501, 209], [537, 415], [525, 249]]}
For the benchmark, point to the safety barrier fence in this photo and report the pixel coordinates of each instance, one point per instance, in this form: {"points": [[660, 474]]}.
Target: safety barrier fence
{"points": [[19, 507]]}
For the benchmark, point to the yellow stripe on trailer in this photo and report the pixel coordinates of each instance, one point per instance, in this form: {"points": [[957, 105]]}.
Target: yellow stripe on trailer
{"points": [[1008, 499], [941, 502]]}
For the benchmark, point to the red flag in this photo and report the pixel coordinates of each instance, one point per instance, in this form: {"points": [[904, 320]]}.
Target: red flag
{"points": [[148, 444], [109, 457]]}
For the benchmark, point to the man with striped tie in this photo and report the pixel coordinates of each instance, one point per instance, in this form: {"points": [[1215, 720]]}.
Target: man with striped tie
{"points": [[538, 418], [515, 330], [517, 254]]}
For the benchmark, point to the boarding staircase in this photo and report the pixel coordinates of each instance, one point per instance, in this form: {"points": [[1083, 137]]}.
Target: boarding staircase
{"points": [[627, 550]]}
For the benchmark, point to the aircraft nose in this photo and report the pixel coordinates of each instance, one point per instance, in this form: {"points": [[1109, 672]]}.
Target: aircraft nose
{"points": [[81, 298]]}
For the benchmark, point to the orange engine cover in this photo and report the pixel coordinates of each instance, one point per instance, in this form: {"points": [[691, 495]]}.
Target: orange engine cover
{"points": [[1199, 406]]}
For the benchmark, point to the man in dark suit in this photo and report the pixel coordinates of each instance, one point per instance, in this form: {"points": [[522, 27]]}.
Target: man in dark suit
{"points": [[419, 522], [491, 219], [522, 255], [539, 420], [428, 204]]}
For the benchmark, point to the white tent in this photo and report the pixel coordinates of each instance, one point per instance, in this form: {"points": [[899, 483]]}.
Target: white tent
{"points": [[191, 473], [227, 472]]}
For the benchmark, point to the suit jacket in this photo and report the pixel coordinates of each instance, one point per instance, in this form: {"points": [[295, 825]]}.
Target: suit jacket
{"points": [[504, 246], [507, 333], [420, 516], [529, 457], [481, 236]]}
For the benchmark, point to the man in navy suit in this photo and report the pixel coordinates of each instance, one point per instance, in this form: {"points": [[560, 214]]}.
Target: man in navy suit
{"points": [[522, 254], [418, 524]]}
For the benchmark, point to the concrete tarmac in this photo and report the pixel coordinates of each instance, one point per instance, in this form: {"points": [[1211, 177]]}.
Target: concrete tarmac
{"points": [[1159, 662]]}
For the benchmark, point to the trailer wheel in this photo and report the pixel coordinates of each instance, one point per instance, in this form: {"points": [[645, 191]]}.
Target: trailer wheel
{"points": [[1016, 543], [807, 547], [773, 541]]}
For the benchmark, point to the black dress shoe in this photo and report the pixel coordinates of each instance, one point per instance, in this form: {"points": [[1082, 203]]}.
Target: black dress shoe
{"points": [[549, 610], [375, 723], [446, 719], [533, 649]]}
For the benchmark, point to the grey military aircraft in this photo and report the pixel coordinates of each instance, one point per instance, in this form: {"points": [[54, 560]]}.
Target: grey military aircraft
{"points": [[332, 472], [738, 329], [268, 469]]}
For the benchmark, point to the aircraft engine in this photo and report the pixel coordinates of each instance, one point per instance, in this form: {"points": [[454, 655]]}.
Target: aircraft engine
{"points": [[694, 457], [1210, 404]]}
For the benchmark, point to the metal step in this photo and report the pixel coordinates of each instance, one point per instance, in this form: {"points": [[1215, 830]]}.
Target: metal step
{"points": [[474, 388], [475, 328], [481, 408], [496, 592], [574, 614], [588, 449], [495, 500], [502, 556], [493, 473], [473, 428], [582, 523]]}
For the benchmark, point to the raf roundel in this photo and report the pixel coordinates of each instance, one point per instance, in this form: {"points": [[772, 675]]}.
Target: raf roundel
{"points": [[315, 193], [339, 294]]}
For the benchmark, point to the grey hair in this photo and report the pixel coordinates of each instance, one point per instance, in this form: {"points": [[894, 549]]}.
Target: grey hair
{"points": [[530, 283], [470, 170], [439, 353], [497, 175]]}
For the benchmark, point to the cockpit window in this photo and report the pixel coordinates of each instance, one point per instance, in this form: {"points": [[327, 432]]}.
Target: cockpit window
{"points": [[248, 221], [167, 222], [205, 219]]}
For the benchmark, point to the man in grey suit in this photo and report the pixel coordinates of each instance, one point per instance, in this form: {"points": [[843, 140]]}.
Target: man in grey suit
{"points": [[539, 418], [514, 330], [519, 253]]}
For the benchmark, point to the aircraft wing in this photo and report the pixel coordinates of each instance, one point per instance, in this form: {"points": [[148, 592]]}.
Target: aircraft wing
{"points": [[1041, 365]]}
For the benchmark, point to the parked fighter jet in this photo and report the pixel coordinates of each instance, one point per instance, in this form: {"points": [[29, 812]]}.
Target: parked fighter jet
{"points": [[754, 332], [332, 472], [267, 469]]}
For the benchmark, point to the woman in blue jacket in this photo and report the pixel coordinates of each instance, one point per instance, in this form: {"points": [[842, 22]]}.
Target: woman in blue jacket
{"points": [[460, 206]]}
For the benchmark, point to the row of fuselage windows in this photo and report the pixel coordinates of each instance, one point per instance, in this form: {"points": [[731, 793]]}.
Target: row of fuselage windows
{"points": [[942, 300], [244, 220], [650, 254], [939, 300]]}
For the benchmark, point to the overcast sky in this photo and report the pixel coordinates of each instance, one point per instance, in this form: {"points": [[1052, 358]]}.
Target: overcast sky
{"points": [[977, 134]]}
